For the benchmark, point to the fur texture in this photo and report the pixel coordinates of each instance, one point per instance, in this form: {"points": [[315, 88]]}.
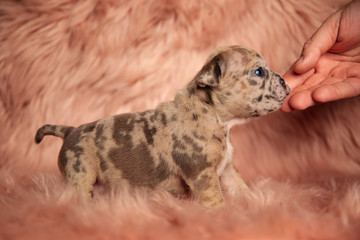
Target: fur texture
{"points": [[182, 146], [70, 62]]}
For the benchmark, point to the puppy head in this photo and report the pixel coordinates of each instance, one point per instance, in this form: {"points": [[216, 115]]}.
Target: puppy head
{"points": [[240, 84]]}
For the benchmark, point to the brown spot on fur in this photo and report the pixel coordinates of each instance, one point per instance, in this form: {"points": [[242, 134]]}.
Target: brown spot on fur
{"points": [[177, 144], [252, 82], [174, 118], [89, 127], [143, 114], [99, 142], [245, 72], [222, 98], [78, 151], [259, 98], [76, 166], [154, 117], [245, 55], [103, 164], [62, 161], [202, 183], [138, 165], [190, 165], [268, 97], [163, 119], [199, 137], [195, 116], [191, 90], [262, 85], [66, 131], [245, 59], [193, 144], [70, 145], [123, 125], [205, 94], [52, 127], [216, 138], [149, 132], [99, 136]]}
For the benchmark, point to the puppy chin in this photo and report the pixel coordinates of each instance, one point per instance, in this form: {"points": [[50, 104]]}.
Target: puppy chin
{"points": [[288, 89], [267, 111], [282, 93]]}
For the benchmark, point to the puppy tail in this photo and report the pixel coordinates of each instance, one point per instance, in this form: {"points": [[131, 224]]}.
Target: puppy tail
{"points": [[55, 130]]}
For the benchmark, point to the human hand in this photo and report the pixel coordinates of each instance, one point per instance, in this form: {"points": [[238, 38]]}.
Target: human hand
{"points": [[329, 66]]}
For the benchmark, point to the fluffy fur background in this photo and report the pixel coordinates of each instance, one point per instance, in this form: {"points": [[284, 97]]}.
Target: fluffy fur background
{"points": [[72, 62]]}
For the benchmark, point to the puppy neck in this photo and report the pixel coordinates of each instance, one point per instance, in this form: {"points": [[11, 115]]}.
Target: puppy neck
{"points": [[198, 100]]}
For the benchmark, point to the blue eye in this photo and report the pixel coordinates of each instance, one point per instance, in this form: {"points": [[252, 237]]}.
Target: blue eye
{"points": [[259, 72]]}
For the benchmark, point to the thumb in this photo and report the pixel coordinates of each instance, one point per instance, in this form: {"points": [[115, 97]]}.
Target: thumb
{"points": [[294, 80], [318, 44]]}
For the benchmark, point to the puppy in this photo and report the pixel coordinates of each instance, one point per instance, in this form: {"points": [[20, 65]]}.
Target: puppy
{"points": [[181, 145]]}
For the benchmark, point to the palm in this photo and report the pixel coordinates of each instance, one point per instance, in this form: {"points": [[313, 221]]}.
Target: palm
{"points": [[335, 77]]}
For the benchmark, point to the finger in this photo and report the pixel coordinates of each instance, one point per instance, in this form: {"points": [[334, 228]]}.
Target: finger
{"points": [[303, 95], [339, 90], [289, 103], [301, 100], [286, 107], [294, 79], [319, 43], [349, 33]]}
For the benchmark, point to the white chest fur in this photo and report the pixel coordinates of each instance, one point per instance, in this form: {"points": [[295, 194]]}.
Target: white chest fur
{"points": [[229, 148]]}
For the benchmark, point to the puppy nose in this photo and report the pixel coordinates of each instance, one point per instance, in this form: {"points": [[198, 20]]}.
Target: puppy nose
{"points": [[282, 82]]}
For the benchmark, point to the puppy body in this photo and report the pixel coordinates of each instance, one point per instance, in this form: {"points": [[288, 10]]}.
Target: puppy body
{"points": [[181, 145]]}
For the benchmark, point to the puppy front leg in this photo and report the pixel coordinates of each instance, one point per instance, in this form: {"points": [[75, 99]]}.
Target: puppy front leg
{"points": [[231, 180], [207, 190]]}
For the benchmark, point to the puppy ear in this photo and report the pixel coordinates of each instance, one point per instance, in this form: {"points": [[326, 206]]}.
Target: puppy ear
{"points": [[211, 73]]}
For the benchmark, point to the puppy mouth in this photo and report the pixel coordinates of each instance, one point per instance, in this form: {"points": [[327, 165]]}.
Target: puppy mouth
{"points": [[285, 86], [281, 97], [276, 97], [288, 89]]}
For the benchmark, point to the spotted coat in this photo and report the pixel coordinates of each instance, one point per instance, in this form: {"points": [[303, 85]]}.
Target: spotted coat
{"points": [[182, 146]]}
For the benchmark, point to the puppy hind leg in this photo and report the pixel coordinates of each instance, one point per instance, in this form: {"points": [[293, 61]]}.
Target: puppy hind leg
{"points": [[81, 176], [83, 184]]}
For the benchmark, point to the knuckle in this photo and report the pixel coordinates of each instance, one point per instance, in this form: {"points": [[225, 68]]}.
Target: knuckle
{"points": [[308, 43]]}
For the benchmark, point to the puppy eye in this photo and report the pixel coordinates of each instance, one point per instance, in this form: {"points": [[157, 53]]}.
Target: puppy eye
{"points": [[259, 72]]}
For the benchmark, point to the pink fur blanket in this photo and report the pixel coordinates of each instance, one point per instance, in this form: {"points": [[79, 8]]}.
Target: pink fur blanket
{"points": [[72, 62]]}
